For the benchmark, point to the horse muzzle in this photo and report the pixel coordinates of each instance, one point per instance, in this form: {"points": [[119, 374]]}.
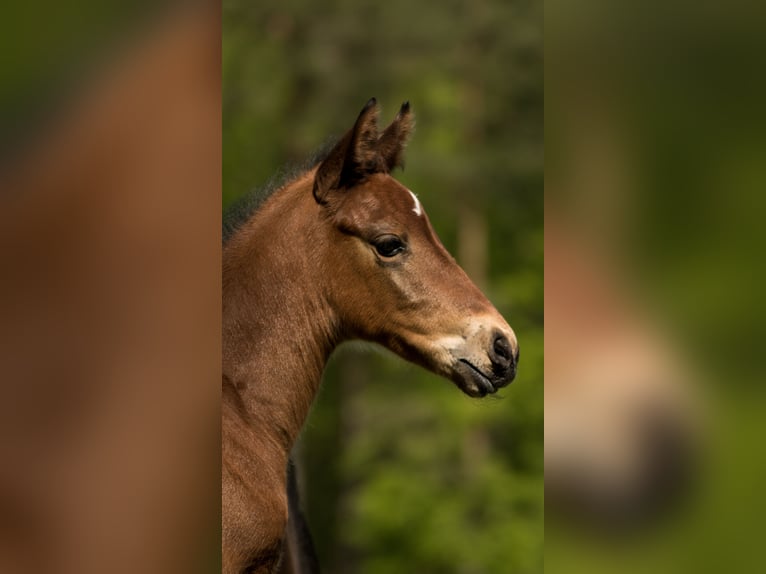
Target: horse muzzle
{"points": [[484, 366]]}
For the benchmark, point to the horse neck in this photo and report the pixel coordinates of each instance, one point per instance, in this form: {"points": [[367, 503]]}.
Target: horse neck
{"points": [[278, 330]]}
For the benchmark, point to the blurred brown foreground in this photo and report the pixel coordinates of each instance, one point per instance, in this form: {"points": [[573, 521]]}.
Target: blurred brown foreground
{"points": [[110, 329]]}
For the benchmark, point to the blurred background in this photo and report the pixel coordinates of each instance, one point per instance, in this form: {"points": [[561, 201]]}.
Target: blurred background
{"points": [[400, 471], [110, 297], [654, 280]]}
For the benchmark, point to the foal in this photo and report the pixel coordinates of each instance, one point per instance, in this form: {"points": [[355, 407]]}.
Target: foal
{"points": [[342, 252]]}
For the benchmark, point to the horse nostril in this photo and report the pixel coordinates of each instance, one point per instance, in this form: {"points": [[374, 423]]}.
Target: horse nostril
{"points": [[670, 458], [502, 349]]}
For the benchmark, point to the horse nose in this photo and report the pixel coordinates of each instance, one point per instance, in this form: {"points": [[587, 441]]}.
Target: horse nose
{"points": [[503, 356], [670, 461]]}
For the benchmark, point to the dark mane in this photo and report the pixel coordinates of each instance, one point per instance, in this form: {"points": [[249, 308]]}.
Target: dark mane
{"points": [[240, 212]]}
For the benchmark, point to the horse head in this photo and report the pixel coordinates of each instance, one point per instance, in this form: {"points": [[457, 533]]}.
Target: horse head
{"points": [[391, 280]]}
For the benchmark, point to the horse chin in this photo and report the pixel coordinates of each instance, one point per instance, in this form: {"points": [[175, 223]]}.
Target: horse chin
{"points": [[471, 380]]}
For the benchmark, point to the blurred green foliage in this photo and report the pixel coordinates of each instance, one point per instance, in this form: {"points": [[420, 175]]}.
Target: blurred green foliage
{"points": [[401, 472]]}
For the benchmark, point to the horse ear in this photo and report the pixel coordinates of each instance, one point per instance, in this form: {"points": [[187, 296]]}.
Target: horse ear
{"points": [[353, 157], [394, 139]]}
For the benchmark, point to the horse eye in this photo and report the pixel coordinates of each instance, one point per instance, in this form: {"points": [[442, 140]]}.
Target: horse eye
{"points": [[388, 246]]}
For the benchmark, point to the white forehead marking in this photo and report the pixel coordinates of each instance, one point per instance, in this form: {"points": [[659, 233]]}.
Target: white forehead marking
{"points": [[416, 209]]}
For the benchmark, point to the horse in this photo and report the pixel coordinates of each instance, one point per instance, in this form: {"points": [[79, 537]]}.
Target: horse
{"points": [[108, 199], [341, 251], [621, 428]]}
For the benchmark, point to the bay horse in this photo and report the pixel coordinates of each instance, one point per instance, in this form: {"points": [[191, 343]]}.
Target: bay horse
{"points": [[109, 193], [342, 251], [621, 423]]}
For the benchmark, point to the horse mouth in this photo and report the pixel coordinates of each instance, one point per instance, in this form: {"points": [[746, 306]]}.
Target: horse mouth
{"points": [[482, 385]]}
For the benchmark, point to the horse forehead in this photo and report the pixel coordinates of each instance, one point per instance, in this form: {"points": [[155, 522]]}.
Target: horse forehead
{"points": [[417, 210], [394, 195]]}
